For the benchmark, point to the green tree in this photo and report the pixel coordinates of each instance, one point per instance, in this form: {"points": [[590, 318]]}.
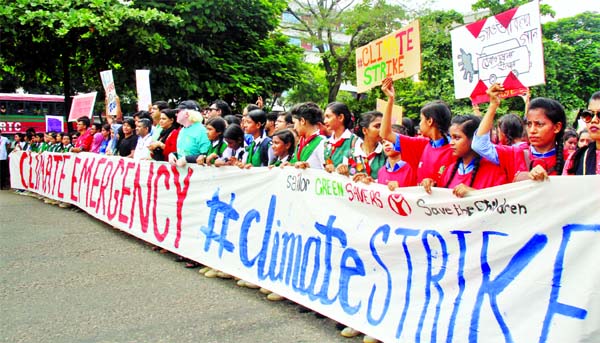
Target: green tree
{"points": [[322, 22], [56, 44], [571, 51], [224, 49]]}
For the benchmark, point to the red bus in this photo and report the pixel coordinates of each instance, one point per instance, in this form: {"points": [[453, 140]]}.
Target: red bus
{"points": [[19, 112]]}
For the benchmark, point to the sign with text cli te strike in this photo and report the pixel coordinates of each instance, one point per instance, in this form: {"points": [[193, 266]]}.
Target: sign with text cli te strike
{"points": [[397, 55]]}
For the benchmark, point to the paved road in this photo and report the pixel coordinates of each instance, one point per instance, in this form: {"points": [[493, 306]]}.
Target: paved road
{"points": [[67, 277]]}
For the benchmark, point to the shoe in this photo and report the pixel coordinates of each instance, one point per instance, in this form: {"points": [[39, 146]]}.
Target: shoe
{"points": [[265, 291], [204, 270], [180, 259], [303, 309], [211, 273], [163, 251], [223, 275], [251, 285], [192, 265], [349, 332], [64, 205], [275, 297], [369, 339], [155, 248], [241, 283]]}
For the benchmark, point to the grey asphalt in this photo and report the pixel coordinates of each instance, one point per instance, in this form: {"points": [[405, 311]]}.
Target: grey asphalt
{"points": [[67, 277]]}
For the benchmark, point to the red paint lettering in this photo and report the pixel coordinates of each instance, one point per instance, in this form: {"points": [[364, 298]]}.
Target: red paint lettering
{"points": [[181, 195], [162, 171], [137, 198], [124, 192], [74, 180]]}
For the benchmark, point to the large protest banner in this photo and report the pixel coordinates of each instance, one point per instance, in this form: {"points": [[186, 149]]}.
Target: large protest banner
{"points": [[505, 48], [397, 55], [516, 263]]}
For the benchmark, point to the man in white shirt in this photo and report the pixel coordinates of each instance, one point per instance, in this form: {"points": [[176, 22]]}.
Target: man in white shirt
{"points": [[4, 172], [142, 128]]}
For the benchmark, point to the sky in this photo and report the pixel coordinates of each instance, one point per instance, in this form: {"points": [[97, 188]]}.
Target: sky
{"points": [[563, 8]]}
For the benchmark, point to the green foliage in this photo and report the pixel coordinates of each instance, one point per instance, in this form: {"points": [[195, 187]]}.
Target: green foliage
{"points": [[198, 49], [499, 6], [311, 87]]}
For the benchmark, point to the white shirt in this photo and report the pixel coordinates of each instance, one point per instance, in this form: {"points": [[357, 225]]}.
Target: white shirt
{"points": [[141, 149], [3, 151]]}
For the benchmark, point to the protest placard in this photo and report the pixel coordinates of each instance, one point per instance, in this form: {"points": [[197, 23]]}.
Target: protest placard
{"points": [[505, 48], [82, 106], [142, 84], [397, 55], [111, 93]]}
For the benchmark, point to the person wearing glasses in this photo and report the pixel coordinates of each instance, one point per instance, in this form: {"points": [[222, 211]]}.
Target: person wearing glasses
{"points": [[545, 124], [586, 160], [218, 108]]}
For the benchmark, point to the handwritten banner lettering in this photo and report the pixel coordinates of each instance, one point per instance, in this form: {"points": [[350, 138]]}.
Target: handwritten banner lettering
{"points": [[516, 263], [505, 48], [397, 55]]}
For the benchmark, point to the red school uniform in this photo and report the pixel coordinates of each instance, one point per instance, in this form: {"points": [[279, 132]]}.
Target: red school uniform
{"points": [[403, 173], [427, 160], [488, 175], [514, 160]]}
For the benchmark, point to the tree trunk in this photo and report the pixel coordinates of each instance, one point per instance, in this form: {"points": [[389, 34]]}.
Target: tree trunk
{"points": [[66, 81]]}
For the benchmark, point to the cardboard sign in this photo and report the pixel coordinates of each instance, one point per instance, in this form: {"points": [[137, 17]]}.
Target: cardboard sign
{"points": [[111, 93], [82, 106], [515, 263], [505, 48], [55, 123], [396, 111], [142, 84], [397, 55]]}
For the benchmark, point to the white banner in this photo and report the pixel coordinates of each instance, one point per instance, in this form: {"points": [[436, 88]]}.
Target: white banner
{"points": [[516, 263], [109, 88], [505, 48], [142, 84]]}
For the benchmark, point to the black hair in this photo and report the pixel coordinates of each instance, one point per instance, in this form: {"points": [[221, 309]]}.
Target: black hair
{"points": [[511, 126], [569, 133], [219, 124], [287, 136], [142, 115], [272, 116], [171, 114], [556, 113], [161, 105], [468, 124], [287, 117], [440, 113], [410, 127], [252, 107], [232, 119], [145, 122], [106, 127], [339, 108], [260, 117], [84, 120], [235, 133], [399, 129], [98, 126], [365, 119], [223, 106], [309, 111]]}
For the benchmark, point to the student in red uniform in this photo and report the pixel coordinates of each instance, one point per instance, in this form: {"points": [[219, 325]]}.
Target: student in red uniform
{"points": [[429, 155], [510, 131], [395, 172], [310, 152], [469, 171], [545, 124]]}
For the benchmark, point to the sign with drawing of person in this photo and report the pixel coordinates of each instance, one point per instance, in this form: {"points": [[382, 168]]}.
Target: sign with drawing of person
{"points": [[505, 48]]}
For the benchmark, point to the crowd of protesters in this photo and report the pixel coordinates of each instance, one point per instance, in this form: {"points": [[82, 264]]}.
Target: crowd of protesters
{"points": [[460, 152]]}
